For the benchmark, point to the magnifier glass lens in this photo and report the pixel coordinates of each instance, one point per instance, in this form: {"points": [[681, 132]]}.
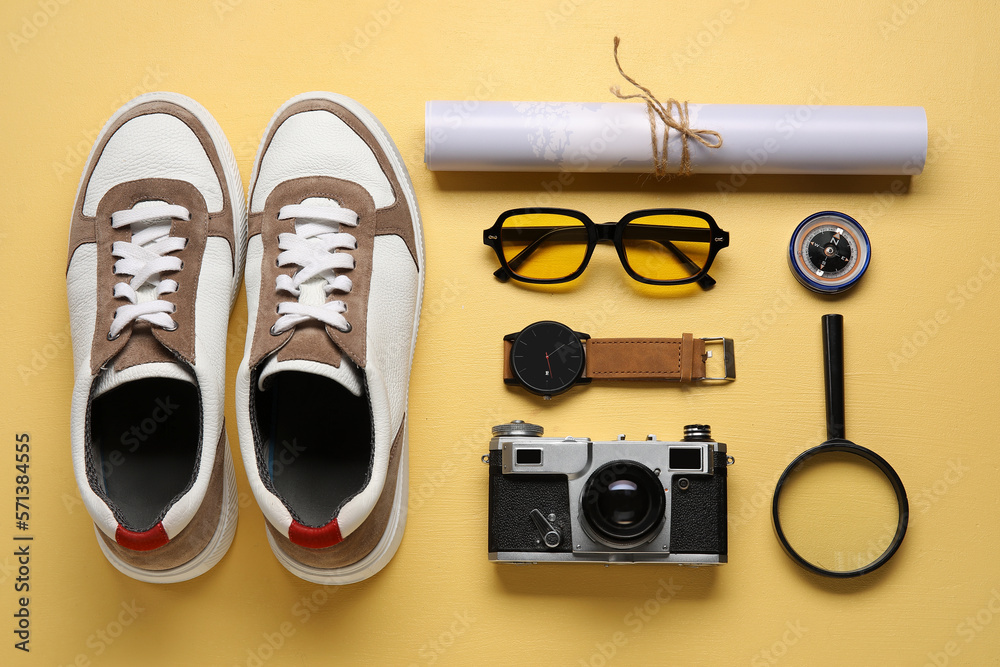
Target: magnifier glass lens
{"points": [[838, 511]]}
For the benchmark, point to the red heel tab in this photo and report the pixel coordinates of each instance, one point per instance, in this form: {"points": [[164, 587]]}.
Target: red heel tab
{"points": [[147, 540], [315, 538]]}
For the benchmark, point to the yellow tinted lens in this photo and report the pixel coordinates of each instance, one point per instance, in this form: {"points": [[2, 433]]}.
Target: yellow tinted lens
{"points": [[544, 246], [667, 247]]}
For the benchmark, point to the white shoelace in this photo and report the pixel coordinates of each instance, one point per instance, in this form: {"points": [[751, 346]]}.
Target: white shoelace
{"points": [[314, 247], [145, 258]]}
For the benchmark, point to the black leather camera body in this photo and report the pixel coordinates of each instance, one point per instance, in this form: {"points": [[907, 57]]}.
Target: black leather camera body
{"points": [[619, 501]]}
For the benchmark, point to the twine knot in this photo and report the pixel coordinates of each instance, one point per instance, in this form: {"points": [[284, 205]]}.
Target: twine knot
{"points": [[665, 112]]}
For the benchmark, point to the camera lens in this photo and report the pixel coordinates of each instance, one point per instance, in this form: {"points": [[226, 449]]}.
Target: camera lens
{"points": [[623, 504]]}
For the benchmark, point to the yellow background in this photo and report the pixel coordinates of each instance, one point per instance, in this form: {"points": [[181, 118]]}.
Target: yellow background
{"points": [[440, 601]]}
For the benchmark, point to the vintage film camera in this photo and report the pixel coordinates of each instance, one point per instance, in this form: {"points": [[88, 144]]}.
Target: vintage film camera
{"points": [[619, 501]]}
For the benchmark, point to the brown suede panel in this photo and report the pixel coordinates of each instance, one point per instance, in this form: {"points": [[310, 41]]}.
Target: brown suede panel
{"points": [[393, 219], [311, 342], [254, 223], [396, 220], [360, 543], [310, 346], [264, 343], [141, 348], [644, 359], [82, 228], [123, 197], [196, 535]]}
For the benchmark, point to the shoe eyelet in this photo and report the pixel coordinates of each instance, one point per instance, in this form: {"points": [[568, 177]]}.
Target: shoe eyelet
{"points": [[173, 328], [115, 337], [273, 332], [182, 266], [347, 330]]}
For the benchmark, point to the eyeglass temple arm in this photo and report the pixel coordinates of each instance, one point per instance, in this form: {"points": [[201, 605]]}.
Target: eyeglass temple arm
{"points": [[514, 262], [706, 282]]}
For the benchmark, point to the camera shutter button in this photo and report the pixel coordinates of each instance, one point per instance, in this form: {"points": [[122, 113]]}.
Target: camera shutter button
{"points": [[517, 427]]}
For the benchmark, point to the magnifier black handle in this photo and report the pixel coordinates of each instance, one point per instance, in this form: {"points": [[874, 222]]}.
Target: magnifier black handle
{"points": [[833, 364]]}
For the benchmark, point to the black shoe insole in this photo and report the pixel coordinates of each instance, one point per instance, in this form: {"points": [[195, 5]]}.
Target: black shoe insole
{"points": [[317, 439], [144, 439]]}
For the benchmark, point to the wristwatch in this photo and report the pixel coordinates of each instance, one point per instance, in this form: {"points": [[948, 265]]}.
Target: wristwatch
{"points": [[547, 358]]}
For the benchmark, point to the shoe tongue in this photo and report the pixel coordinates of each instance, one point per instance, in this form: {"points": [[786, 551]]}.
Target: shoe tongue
{"points": [[314, 342], [348, 375], [111, 378]]}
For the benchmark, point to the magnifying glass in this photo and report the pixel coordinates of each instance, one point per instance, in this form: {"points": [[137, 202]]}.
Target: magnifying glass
{"points": [[839, 509]]}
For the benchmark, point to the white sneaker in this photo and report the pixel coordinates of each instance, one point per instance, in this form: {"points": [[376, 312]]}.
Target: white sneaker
{"points": [[157, 241], [334, 279]]}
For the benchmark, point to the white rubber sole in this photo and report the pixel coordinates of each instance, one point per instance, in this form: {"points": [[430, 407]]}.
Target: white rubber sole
{"points": [[209, 556], [389, 543]]}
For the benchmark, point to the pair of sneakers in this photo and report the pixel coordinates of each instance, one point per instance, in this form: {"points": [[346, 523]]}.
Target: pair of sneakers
{"points": [[334, 269]]}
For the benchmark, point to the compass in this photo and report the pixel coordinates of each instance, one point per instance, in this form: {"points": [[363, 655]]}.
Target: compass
{"points": [[829, 252]]}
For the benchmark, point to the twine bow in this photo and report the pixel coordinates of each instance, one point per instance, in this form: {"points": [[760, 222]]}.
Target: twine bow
{"points": [[665, 112]]}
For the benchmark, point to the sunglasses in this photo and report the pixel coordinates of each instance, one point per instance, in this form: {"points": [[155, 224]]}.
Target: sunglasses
{"points": [[657, 246]]}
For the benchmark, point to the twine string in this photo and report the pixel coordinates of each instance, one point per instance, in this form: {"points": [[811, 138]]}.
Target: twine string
{"points": [[665, 112]]}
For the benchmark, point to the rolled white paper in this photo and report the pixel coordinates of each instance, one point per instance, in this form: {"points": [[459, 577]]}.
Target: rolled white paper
{"points": [[615, 137]]}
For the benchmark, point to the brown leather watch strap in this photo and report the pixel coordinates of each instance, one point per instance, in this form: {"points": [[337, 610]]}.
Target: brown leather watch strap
{"points": [[508, 374], [680, 359]]}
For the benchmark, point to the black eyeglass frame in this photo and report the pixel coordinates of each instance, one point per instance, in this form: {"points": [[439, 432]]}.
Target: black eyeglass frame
{"points": [[613, 232]]}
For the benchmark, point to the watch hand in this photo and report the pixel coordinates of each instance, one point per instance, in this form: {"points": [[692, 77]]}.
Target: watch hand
{"points": [[549, 363], [558, 348]]}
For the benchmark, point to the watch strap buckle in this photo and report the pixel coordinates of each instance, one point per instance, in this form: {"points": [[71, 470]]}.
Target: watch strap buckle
{"points": [[728, 357]]}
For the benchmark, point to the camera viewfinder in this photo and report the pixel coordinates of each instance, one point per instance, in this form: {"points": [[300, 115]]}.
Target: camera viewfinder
{"points": [[528, 457], [685, 458]]}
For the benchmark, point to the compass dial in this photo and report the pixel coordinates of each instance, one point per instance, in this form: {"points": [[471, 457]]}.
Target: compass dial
{"points": [[829, 252]]}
